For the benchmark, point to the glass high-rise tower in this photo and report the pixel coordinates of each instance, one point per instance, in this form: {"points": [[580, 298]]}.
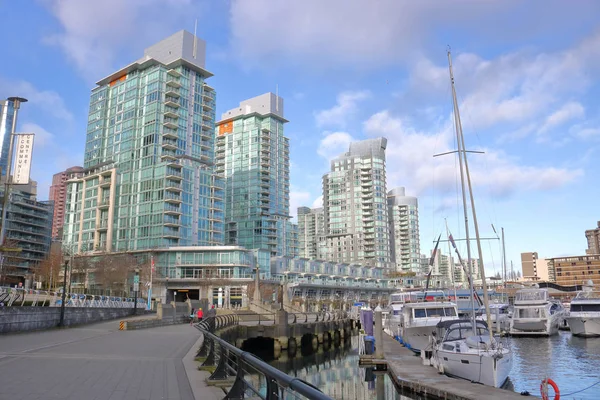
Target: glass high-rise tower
{"points": [[355, 206], [252, 154], [403, 214], [148, 178]]}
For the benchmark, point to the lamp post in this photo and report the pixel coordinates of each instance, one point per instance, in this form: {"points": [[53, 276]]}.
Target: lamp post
{"points": [[136, 288], [64, 293], [167, 291]]}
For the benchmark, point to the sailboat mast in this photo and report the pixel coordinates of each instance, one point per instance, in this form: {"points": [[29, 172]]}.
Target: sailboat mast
{"points": [[503, 261], [486, 300], [451, 262], [460, 149]]}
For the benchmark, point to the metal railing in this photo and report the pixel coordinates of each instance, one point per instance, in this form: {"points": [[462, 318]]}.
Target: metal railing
{"points": [[19, 297], [294, 317], [252, 375]]}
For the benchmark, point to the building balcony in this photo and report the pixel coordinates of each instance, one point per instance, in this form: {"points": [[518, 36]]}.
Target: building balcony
{"points": [[175, 164], [170, 123], [205, 145], [102, 226], [173, 186], [172, 92], [208, 105], [169, 144], [172, 209], [172, 102], [172, 198], [172, 222], [174, 82], [206, 135], [171, 113], [104, 203], [173, 174], [169, 133], [168, 154], [174, 73]]}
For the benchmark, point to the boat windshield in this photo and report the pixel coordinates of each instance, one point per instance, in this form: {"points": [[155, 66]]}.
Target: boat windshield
{"points": [[585, 307], [531, 295], [435, 312], [462, 332]]}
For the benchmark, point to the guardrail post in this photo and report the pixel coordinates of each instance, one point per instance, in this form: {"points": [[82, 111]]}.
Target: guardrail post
{"points": [[210, 358], [239, 385], [273, 392], [203, 352], [221, 370]]}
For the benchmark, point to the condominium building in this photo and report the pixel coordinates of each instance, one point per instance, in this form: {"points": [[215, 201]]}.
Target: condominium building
{"points": [[403, 215], [28, 227], [311, 231], [576, 270], [355, 205], [148, 178], [58, 195], [6, 120], [535, 268], [593, 240], [252, 154]]}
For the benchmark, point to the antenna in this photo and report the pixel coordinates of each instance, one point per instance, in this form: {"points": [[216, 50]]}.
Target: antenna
{"points": [[195, 38]]}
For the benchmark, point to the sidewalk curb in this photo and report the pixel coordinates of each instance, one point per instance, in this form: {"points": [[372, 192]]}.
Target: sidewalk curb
{"points": [[197, 378]]}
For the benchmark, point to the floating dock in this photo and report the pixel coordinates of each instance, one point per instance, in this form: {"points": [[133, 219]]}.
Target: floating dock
{"points": [[409, 373]]}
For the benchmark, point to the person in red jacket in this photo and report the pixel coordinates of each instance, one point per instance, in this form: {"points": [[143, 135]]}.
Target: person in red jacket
{"points": [[200, 314]]}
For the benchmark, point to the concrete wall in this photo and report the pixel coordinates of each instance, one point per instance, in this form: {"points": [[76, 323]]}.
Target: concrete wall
{"points": [[22, 319]]}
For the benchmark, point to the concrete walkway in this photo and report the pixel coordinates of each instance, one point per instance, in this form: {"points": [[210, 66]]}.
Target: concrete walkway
{"points": [[99, 362]]}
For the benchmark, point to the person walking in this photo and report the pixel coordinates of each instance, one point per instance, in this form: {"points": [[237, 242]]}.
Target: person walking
{"points": [[192, 316], [200, 314]]}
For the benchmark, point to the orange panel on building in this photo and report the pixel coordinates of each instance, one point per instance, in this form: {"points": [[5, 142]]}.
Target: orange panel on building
{"points": [[226, 127], [121, 79]]}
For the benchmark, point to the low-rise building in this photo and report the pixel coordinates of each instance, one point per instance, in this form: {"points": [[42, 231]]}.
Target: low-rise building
{"points": [[575, 270]]}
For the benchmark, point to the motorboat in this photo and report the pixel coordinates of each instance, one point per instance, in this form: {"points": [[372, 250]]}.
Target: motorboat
{"points": [[500, 315], [536, 313], [584, 316], [472, 355], [393, 313], [419, 321]]}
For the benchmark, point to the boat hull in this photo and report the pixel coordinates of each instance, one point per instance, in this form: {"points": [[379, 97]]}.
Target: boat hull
{"points": [[417, 338], [476, 367], [535, 326], [584, 326]]}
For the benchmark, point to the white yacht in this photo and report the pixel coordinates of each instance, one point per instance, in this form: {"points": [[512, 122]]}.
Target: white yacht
{"points": [[500, 315], [535, 313], [584, 316], [419, 321], [393, 312], [474, 356]]}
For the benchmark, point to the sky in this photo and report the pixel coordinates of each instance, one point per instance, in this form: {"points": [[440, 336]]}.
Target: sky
{"points": [[526, 76]]}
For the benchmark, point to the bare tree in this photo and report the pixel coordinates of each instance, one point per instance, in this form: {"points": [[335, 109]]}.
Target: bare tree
{"points": [[112, 272], [10, 258], [49, 269]]}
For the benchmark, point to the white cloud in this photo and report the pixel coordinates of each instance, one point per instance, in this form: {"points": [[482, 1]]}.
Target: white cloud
{"points": [[50, 102], [93, 33], [410, 162], [345, 32], [334, 144], [42, 139], [567, 112], [345, 108], [318, 203], [300, 198]]}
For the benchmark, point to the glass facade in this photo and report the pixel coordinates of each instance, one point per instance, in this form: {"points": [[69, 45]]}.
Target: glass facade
{"points": [[311, 231], [148, 180], [28, 227], [252, 154]]}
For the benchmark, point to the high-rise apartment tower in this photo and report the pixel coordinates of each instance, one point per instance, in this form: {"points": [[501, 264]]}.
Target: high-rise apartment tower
{"points": [[58, 195], [252, 154], [403, 214], [148, 180], [311, 231], [355, 205]]}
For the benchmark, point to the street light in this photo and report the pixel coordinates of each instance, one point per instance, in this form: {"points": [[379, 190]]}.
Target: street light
{"points": [[62, 303], [136, 288]]}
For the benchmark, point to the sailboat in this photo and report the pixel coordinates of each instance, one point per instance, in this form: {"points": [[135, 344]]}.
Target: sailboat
{"points": [[466, 348]]}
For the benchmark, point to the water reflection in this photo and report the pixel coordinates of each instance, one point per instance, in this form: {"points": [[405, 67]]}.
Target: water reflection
{"points": [[572, 362], [335, 371]]}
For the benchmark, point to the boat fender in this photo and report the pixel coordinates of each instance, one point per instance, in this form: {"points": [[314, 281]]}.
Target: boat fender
{"points": [[544, 389]]}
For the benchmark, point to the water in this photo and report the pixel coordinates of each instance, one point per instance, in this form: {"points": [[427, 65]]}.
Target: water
{"points": [[572, 362], [335, 372]]}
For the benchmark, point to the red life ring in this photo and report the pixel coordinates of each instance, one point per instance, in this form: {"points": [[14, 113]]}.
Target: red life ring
{"points": [[550, 382]]}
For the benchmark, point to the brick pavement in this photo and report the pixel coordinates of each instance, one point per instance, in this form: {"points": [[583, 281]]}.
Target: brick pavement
{"points": [[97, 362]]}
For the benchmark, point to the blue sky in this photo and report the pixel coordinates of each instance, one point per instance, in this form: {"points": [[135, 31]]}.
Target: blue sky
{"points": [[526, 74]]}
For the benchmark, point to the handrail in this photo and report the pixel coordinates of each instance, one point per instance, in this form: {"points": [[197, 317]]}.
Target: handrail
{"points": [[275, 378]]}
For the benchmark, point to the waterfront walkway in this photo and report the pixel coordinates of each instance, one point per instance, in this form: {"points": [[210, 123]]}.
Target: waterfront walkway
{"points": [[99, 362]]}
